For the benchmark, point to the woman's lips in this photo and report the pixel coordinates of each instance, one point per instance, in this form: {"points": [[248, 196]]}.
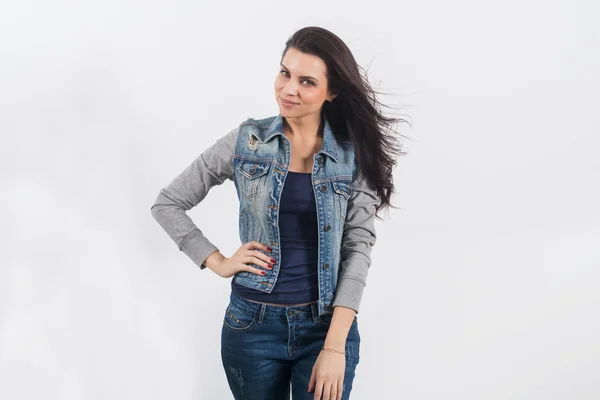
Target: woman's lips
{"points": [[287, 103]]}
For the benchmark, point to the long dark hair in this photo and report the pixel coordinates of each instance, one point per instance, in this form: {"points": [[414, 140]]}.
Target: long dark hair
{"points": [[355, 112]]}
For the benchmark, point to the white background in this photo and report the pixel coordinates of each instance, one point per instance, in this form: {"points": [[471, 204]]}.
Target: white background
{"points": [[484, 284]]}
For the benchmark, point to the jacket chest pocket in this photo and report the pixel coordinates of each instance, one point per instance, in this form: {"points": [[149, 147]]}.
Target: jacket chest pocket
{"points": [[253, 176], [341, 194]]}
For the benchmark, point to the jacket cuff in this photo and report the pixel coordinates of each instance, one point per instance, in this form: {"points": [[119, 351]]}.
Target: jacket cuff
{"points": [[197, 247], [349, 293]]}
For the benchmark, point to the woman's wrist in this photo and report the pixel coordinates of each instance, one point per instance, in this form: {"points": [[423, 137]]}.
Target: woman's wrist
{"points": [[214, 259], [337, 344], [325, 348]]}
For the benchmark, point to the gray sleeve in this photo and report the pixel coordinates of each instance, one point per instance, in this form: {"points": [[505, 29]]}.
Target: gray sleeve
{"points": [[190, 187], [358, 238]]}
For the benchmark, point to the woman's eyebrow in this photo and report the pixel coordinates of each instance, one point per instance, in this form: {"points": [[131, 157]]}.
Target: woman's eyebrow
{"points": [[304, 77]]}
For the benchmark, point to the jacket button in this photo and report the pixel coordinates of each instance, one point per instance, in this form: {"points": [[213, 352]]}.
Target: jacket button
{"points": [[323, 188], [328, 307], [327, 228], [326, 265], [320, 160], [291, 312]]}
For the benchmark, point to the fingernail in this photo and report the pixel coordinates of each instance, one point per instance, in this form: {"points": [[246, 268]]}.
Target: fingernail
{"points": [[263, 273], [273, 260], [269, 249]]}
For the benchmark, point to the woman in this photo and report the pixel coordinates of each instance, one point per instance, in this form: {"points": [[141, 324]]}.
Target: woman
{"points": [[309, 181]]}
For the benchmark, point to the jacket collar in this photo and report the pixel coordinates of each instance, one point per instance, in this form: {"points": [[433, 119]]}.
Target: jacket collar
{"points": [[330, 144]]}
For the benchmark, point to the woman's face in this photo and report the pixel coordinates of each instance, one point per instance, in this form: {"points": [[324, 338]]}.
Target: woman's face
{"points": [[301, 80]]}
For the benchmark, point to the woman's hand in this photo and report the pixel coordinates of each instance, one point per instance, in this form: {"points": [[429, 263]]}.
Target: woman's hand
{"points": [[245, 255], [327, 377]]}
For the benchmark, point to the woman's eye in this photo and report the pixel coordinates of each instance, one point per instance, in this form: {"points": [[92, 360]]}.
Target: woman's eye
{"points": [[310, 83]]}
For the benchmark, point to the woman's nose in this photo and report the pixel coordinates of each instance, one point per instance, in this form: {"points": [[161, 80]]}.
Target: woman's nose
{"points": [[290, 89]]}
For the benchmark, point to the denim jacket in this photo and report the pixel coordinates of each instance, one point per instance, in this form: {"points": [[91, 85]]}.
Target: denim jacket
{"points": [[255, 156]]}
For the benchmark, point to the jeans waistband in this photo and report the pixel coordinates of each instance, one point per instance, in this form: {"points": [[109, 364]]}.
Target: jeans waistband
{"points": [[267, 310]]}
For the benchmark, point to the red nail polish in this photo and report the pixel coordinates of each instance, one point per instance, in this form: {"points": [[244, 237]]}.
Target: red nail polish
{"points": [[273, 260], [263, 273], [269, 249]]}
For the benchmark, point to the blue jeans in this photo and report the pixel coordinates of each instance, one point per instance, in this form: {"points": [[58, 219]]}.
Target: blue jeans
{"points": [[265, 349]]}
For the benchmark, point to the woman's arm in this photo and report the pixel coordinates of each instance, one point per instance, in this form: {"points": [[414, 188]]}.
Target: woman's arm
{"points": [[189, 188], [357, 241], [338, 329]]}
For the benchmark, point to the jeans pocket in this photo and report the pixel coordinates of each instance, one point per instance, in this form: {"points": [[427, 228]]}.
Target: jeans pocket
{"points": [[325, 319], [238, 320]]}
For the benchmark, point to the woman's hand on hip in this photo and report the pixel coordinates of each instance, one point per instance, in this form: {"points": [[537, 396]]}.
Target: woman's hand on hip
{"points": [[248, 253]]}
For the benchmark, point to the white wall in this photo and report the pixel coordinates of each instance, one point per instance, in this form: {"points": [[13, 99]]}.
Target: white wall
{"points": [[484, 285]]}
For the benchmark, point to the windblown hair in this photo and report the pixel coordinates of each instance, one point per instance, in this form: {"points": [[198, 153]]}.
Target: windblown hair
{"points": [[355, 112]]}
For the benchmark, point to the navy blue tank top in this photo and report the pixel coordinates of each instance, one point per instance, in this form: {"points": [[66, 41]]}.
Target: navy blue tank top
{"points": [[297, 281]]}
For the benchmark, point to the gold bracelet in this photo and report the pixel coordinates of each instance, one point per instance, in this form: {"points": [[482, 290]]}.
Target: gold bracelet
{"points": [[329, 349]]}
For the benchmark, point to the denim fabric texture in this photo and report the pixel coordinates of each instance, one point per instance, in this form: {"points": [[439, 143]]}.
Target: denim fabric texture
{"points": [[255, 156], [266, 350]]}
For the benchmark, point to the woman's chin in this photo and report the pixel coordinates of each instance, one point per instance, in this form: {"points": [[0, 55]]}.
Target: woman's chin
{"points": [[286, 111]]}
